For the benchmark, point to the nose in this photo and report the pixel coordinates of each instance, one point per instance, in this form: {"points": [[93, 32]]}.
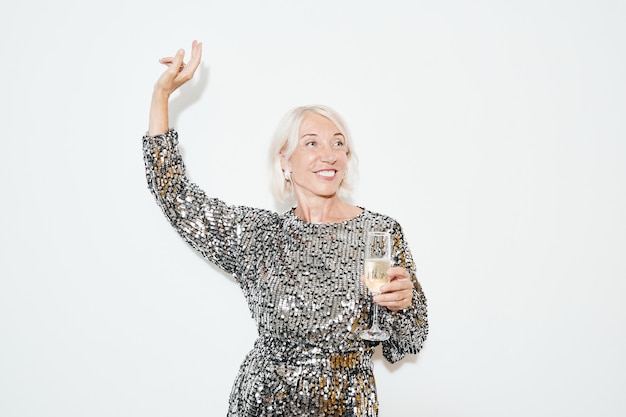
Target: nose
{"points": [[327, 155]]}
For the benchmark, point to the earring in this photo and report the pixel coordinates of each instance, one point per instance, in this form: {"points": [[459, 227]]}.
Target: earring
{"points": [[287, 175]]}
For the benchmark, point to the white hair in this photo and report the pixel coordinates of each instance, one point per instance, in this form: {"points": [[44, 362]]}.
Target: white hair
{"points": [[284, 144]]}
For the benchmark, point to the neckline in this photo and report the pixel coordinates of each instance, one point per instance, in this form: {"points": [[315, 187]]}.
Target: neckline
{"points": [[290, 214]]}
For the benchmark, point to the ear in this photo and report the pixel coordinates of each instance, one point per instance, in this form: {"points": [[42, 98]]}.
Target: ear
{"points": [[284, 163]]}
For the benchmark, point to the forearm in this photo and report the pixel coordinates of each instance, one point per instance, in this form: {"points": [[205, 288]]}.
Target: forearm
{"points": [[159, 118], [208, 225], [182, 202], [408, 326]]}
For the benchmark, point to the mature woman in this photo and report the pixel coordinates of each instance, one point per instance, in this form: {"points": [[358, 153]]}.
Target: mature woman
{"points": [[299, 270]]}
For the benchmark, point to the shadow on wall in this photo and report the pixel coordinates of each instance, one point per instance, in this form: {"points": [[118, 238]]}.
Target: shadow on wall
{"points": [[188, 94]]}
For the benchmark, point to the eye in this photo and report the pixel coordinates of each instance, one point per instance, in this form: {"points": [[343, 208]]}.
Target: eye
{"points": [[310, 143], [339, 143]]}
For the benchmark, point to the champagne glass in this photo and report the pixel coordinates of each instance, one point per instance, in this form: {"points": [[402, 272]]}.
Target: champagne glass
{"points": [[377, 262]]}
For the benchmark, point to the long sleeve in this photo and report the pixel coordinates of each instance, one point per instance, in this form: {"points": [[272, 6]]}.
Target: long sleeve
{"points": [[207, 224], [408, 327]]}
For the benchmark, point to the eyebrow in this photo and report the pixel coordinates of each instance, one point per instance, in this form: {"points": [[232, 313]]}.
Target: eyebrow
{"points": [[315, 134]]}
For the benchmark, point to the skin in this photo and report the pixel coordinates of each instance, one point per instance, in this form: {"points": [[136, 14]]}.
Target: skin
{"points": [[317, 166]]}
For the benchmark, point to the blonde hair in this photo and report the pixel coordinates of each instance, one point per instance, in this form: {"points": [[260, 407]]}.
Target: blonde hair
{"points": [[284, 144]]}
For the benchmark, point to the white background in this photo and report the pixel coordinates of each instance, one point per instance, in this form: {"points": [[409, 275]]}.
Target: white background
{"points": [[492, 130]]}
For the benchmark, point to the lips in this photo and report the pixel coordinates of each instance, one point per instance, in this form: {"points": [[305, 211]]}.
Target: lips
{"points": [[327, 173]]}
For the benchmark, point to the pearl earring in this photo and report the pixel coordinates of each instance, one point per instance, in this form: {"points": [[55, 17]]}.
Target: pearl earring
{"points": [[287, 175]]}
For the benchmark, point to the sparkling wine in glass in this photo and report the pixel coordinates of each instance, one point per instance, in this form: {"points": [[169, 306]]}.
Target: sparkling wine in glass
{"points": [[377, 262]]}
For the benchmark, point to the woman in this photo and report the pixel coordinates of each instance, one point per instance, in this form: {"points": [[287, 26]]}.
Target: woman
{"points": [[299, 270]]}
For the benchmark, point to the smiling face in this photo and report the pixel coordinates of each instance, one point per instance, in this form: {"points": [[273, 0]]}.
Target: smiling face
{"points": [[318, 164]]}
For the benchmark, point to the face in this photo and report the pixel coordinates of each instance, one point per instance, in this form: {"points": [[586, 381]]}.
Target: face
{"points": [[319, 161]]}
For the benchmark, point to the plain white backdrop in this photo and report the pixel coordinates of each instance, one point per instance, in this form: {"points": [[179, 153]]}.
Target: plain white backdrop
{"points": [[492, 130]]}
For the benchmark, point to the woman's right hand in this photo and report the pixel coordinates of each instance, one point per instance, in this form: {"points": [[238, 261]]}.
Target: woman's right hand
{"points": [[176, 74]]}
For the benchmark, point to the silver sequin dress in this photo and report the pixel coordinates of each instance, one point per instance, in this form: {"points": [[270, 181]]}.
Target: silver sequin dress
{"points": [[301, 283]]}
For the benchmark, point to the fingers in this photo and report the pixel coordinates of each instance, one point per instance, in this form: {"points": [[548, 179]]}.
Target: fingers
{"points": [[398, 272], [196, 56], [178, 73], [177, 61], [167, 60], [395, 300], [188, 70], [398, 293]]}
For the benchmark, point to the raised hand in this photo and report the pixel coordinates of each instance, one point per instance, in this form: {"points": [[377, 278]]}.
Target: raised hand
{"points": [[176, 74]]}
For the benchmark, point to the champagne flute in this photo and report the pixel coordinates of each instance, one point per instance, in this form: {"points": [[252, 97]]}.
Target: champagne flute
{"points": [[377, 262]]}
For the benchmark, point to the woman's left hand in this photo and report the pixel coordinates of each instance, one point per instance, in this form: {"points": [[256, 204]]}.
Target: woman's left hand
{"points": [[398, 293]]}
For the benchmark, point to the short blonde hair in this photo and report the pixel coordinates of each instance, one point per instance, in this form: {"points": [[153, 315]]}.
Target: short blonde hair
{"points": [[285, 141]]}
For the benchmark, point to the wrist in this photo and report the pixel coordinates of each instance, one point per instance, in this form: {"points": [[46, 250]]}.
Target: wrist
{"points": [[160, 95]]}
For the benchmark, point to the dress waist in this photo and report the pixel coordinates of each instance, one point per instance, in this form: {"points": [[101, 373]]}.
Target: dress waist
{"points": [[284, 352]]}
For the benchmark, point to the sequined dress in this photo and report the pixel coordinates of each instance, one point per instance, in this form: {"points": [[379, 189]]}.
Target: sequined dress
{"points": [[301, 283]]}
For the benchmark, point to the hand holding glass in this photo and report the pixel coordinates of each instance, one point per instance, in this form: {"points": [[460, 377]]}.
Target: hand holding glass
{"points": [[377, 262]]}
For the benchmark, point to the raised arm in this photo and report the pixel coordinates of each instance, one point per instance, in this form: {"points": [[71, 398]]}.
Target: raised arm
{"points": [[206, 224], [177, 74]]}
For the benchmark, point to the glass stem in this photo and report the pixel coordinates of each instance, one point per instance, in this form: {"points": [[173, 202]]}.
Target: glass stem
{"points": [[375, 316]]}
